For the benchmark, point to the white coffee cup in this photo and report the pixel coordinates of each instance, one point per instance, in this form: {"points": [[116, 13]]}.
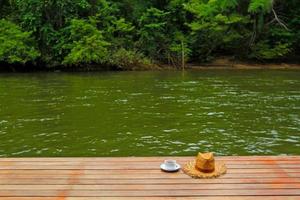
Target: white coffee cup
{"points": [[171, 164]]}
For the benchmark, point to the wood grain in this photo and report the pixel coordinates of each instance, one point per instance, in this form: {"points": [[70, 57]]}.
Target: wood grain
{"points": [[248, 177]]}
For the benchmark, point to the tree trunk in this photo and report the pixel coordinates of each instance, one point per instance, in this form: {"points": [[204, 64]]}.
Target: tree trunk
{"points": [[182, 56]]}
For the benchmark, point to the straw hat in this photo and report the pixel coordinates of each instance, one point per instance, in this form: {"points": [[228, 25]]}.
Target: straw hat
{"points": [[204, 166]]}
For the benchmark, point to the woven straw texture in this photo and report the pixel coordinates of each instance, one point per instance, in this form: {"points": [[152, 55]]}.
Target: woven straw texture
{"points": [[191, 170]]}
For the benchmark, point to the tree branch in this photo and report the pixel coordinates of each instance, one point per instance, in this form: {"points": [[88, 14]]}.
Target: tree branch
{"points": [[278, 20]]}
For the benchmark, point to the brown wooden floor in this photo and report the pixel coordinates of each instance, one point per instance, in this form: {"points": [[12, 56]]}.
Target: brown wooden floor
{"points": [[265, 177]]}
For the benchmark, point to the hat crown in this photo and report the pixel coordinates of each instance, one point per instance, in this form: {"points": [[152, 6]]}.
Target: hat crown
{"points": [[205, 162]]}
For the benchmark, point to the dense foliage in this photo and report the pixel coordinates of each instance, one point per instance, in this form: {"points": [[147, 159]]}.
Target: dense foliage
{"points": [[127, 34], [16, 46]]}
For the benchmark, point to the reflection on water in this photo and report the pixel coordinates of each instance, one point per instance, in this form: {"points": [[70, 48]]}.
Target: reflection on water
{"points": [[150, 113]]}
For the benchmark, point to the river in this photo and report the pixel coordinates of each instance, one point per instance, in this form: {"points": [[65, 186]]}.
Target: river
{"points": [[229, 112]]}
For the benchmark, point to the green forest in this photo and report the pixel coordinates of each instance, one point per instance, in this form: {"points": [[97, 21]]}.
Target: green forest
{"points": [[140, 34]]}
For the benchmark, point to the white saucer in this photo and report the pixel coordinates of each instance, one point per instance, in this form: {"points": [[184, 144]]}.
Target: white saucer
{"points": [[167, 169]]}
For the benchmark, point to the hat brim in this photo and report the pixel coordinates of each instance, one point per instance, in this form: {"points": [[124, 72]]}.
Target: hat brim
{"points": [[191, 170]]}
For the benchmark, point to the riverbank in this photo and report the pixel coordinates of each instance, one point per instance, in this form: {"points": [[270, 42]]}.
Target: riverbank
{"points": [[222, 63], [225, 63], [245, 66]]}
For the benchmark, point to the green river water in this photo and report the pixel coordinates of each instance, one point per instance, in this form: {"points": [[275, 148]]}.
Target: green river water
{"points": [[229, 112]]}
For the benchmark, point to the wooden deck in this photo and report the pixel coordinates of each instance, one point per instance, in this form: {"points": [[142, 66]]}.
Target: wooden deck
{"points": [[250, 178]]}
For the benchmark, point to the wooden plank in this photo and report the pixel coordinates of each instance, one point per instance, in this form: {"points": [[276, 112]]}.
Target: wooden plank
{"points": [[158, 198], [137, 174], [143, 176], [137, 161], [148, 193], [132, 166], [147, 159], [159, 181], [234, 163], [85, 178], [139, 171], [152, 187], [146, 176]]}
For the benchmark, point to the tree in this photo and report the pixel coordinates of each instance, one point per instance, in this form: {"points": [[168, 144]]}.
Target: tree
{"points": [[45, 19], [216, 26], [87, 44], [271, 38], [77, 32], [16, 46], [116, 29], [153, 38]]}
